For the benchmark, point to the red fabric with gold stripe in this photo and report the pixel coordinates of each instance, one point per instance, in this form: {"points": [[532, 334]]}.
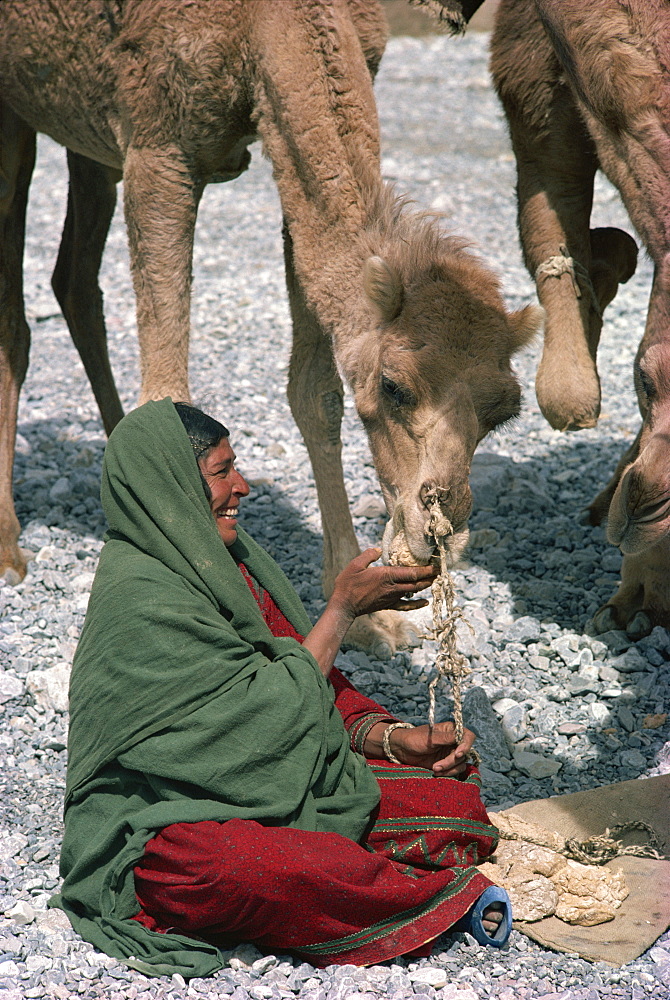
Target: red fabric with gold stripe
{"points": [[321, 895]]}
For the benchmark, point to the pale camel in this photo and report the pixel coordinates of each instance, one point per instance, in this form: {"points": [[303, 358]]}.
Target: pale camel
{"points": [[168, 94], [587, 86]]}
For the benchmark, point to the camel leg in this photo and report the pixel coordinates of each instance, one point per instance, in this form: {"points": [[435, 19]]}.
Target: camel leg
{"points": [[643, 598], [160, 202], [17, 159], [316, 399], [556, 165], [90, 206]]}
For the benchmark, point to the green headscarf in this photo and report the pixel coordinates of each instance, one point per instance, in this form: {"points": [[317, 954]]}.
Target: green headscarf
{"points": [[183, 705]]}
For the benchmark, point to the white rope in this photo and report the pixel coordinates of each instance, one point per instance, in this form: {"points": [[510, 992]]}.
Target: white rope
{"points": [[446, 616]]}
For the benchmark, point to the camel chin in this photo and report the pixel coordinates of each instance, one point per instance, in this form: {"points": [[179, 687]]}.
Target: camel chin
{"points": [[639, 513], [400, 550]]}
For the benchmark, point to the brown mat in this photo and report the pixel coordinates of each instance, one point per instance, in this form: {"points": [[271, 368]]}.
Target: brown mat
{"points": [[645, 914]]}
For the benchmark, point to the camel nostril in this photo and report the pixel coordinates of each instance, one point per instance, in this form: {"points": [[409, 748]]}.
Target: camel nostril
{"points": [[652, 512], [427, 488], [430, 490]]}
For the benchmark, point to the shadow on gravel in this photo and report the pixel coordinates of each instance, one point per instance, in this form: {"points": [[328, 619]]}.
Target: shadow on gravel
{"points": [[525, 526], [57, 481], [526, 530]]}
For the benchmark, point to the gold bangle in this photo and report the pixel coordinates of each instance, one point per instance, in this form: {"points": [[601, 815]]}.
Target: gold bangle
{"points": [[386, 739]]}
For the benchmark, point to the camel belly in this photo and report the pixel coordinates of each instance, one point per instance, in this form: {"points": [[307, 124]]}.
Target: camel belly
{"points": [[56, 72]]}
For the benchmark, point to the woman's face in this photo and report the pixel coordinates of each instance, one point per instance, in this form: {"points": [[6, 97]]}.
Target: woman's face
{"points": [[227, 486]]}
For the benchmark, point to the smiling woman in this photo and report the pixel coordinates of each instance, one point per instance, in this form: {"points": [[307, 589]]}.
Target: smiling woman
{"points": [[224, 485], [223, 777]]}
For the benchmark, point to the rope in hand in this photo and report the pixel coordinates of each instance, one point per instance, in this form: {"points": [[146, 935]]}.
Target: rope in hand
{"points": [[446, 616]]}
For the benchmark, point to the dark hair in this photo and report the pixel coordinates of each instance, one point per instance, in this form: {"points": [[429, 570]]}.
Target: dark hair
{"points": [[204, 433]]}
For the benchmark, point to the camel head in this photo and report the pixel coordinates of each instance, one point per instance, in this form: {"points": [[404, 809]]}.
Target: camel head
{"points": [[639, 514], [431, 377]]}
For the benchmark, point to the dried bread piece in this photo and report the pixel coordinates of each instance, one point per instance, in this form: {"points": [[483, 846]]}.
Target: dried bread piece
{"points": [[542, 883]]}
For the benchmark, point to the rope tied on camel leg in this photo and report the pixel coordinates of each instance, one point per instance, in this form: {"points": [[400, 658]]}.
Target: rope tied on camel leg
{"points": [[562, 263], [446, 616]]}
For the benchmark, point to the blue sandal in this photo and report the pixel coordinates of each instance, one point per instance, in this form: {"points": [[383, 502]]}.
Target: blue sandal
{"points": [[472, 921]]}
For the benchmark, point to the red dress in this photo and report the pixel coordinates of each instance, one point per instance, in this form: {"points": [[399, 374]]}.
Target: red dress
{"points": [[320, 895]]}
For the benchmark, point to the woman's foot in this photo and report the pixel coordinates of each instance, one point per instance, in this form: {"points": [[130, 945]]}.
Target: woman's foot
{"points": [[490, 919]]}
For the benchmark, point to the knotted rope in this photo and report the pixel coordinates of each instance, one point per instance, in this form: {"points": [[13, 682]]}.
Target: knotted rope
{"points": [[596, 850], [446, 616], [562, 263]]}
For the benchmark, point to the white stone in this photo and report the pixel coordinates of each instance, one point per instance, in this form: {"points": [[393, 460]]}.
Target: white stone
{"points": [[80, 603], [567, 647], [244, 957], [534, 765], [599, 712], [10, 687], [53, 921], [9, 968], [11, 844], [46, 553], [21, 913], [503, 705], [49, 687], [60, 490], [514, 724], [81, 583], [264, 964], [37, 963], [453, 992], [430, 974]]}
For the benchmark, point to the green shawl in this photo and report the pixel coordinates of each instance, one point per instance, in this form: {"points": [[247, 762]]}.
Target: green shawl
{"points": [[183, 705]]}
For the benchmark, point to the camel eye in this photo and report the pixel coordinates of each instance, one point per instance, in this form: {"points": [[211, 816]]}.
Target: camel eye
{"points": [[397, 394], [648, 387]]}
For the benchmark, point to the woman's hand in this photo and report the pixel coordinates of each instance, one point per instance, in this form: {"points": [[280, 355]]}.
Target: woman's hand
{"points": [[438, 751], [362, 588]]}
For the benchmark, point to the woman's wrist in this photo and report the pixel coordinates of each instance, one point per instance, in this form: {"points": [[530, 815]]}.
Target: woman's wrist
{"points": [[374, 745], [383, 741]]}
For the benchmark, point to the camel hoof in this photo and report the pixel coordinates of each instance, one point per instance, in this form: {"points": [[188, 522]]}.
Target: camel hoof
{"points": [[382, 651], [11, 577], [567, 394], [639, 626], [382, 633], [561, 421], [605, 619]]}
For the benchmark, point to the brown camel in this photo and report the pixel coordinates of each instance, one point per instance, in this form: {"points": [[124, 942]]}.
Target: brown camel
{"points": [[168, 94], [587, 86]]}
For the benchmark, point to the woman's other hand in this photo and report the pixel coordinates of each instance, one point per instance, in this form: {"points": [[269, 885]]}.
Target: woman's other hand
{"points": [[438, 751], [362, 588]]}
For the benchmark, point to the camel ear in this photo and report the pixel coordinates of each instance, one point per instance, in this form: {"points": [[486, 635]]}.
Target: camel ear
{"points": [[383, 288], [525, 324]]}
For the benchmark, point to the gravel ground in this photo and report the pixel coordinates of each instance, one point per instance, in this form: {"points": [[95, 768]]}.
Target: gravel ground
{"points": [[559, 709]]}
